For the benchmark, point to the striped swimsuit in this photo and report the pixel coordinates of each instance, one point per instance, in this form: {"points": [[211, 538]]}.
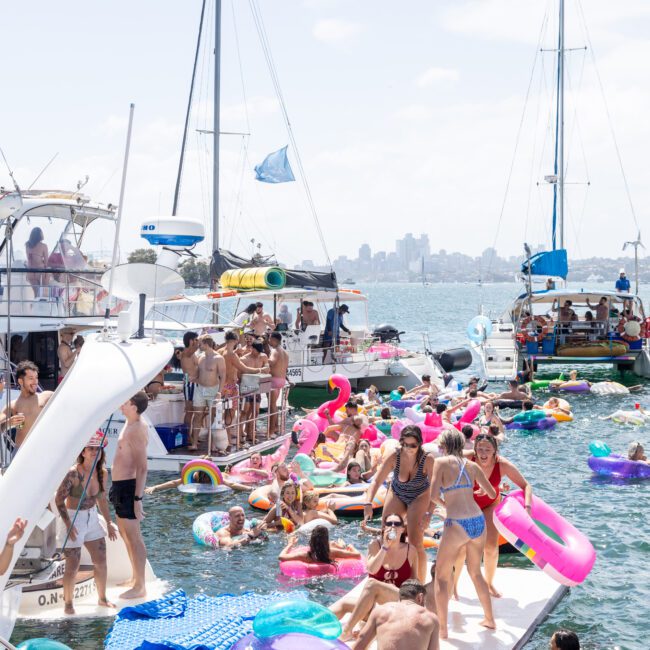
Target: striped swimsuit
{"points": [[409, 491]]}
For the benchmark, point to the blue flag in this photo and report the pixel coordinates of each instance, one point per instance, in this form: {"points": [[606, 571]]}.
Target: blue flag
{"points": [[275, 168]]}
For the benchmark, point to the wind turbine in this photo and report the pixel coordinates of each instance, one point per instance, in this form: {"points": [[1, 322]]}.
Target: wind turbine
{"points": [[636, 245]]}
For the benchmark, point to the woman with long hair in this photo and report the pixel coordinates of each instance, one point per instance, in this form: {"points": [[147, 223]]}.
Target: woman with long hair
{"points": [[496, 468], [410, 490], [391, 561], [453, 479], [320, 549], [37, 256], [83, 493], [288, 506], [490, 416]]}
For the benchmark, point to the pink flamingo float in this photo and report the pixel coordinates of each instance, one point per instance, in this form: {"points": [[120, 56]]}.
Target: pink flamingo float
{"points": [[318, 417]]}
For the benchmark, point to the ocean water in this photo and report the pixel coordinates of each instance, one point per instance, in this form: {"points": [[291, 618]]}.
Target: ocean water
{"points": [[609, 610]]}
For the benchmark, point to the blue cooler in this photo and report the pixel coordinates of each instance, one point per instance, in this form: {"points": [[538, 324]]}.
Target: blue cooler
{"points": [[532, 347], [548, 345], [173, 435]]}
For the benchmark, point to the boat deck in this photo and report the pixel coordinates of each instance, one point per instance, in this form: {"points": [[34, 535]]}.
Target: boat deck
{"points": [[528, 597]]}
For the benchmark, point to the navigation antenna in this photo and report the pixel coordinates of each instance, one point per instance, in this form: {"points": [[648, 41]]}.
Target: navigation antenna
{"points": [[636, 243]]}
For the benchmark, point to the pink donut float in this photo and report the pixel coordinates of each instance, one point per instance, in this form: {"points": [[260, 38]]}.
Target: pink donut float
{"points": [[346, 568], [569, 562], [239, 472]]}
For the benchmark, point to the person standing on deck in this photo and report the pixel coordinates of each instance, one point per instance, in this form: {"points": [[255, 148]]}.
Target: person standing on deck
{"points": [[211, 376], [189, 366], [22, 412], [261, 322], [333, 325], [258, 360], [306, 315], [230, 389], [129, 475], [65, 353], [601, 309], [279, 364], [622, 284]]}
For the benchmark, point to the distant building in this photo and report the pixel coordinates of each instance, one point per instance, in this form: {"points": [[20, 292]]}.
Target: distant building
{"points": [[365, 254], [410, 249]]}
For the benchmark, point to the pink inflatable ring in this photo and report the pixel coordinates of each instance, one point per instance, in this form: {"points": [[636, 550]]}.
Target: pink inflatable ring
{"points": [[569, 563]]}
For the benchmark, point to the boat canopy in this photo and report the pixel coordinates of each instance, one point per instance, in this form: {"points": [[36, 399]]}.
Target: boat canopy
{"points": [[223, 260], [550, 263], [574, 295]]}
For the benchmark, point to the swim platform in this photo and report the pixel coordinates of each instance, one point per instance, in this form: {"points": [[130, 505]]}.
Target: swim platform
{"points": [[179, 622]]}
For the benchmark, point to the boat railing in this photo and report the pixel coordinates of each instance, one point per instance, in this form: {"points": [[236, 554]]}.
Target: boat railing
{"points": [[241, 419], [54, 293]]}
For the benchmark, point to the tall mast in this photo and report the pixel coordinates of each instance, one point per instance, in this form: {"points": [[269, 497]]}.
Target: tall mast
{"points": [[216, 126], [560, 134]]}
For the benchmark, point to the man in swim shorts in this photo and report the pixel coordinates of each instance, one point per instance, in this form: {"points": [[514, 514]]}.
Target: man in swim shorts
{"points": [[257, 359], [189, 366], [129, 474], [211, 375], [279, 364], [404, 624]]}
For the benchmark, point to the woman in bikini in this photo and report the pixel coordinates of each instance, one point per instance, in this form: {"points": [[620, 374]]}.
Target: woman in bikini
{"points": [[79, 496], [37, 257], [391, 561], [490, 416], [453, 479], [410, 490], [495, 467]]}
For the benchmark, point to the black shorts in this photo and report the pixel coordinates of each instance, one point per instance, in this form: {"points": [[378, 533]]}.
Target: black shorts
{"points": [[122, 496]]}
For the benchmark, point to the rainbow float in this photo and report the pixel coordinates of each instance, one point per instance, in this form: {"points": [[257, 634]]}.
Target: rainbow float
{"points": [[190, 473]]}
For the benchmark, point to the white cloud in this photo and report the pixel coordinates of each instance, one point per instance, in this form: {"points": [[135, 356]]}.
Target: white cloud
{"points": [[414, 112], [435, 74], [335, 31]]}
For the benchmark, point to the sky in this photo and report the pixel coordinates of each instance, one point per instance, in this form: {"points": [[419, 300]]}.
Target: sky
{"points": [[406, 116]]}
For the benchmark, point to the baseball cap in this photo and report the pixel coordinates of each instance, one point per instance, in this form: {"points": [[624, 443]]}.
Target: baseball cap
{"points": [[345, 308]]}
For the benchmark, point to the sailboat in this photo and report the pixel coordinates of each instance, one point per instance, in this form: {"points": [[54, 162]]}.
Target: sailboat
{"points": [[425, 282], [551, 326]]}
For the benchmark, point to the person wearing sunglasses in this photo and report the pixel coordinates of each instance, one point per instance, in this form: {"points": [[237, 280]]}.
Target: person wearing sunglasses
{"points": [[391, 561], [453, 486], [410, 490], [496, 468]]}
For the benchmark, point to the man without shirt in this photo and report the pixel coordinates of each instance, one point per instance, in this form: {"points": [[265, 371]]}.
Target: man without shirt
{"points": [[27, 407], [210, 377], [230, 390], [404, 624], [306, 316], [515, 392], [279, 364], [261, 322], [65, 353], [235, 534], [250, 409], [189, 366], [129, 476]]}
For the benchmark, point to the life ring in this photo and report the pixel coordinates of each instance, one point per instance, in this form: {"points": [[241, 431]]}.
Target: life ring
{"points": [[569, 561], [353, 506], [559, 415], [344, 568], [646, 328], [538, 332], [631, 331]]}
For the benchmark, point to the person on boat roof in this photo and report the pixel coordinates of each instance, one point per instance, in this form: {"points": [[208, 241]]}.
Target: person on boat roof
{"points": [[550, 284], [622, 284]]}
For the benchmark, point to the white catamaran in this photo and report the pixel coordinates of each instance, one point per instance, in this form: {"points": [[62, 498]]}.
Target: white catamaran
{"points": [[557, 324]]}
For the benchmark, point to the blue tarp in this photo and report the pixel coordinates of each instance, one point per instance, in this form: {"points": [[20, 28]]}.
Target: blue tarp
{"points": [[275, 168], [176, 622], [550, 263]]}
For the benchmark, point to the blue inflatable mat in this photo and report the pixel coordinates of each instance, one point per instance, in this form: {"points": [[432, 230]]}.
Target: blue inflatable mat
{"points": [[176, 622]]}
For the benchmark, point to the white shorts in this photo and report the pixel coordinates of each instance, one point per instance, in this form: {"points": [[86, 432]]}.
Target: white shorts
{"points": [[89, 529], [204, 395]]}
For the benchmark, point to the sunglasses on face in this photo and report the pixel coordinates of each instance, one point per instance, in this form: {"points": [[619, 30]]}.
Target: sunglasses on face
{"points": [[410, 445], [394, 524]]}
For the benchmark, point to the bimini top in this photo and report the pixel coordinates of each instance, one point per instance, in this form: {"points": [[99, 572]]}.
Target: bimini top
{"points": [[552, 295]]}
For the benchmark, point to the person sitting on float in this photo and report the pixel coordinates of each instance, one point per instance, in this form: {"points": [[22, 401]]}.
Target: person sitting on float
{"points": [[288, 507], [555, 404], [311, 509], [635, 452], [354, 474], [472, 385], [235, 534], [515, 392], [490, 416], [321, 549], [391, 561]]}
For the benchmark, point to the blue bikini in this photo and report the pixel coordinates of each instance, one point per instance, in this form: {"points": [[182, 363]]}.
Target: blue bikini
{"points": [[473, 526]]}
